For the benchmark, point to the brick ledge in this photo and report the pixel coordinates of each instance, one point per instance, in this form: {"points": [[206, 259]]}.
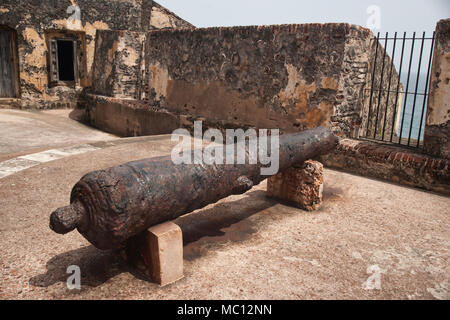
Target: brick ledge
{"points": [[391, 163]]}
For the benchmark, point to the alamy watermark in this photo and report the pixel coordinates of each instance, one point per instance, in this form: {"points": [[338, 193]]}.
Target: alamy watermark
{"points": [[74, 20], [262, 148], [374, 280], [74, 280], [374, 19]]}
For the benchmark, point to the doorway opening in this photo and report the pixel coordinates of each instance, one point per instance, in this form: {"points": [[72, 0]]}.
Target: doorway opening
{"points": [[8, 61], [66, 61]]}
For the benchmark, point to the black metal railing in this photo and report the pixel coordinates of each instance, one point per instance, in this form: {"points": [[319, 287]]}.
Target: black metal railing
{"points": [[398, 93]]}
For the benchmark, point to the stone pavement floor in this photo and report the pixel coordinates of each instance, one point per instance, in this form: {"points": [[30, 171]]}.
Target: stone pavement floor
{"points": [[243, 247]]}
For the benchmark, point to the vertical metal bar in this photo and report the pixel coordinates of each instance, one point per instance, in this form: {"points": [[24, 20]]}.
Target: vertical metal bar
{"points": [[407, 87], [415, 91], [398, 86], [381, 87], [373, 81], [389, 85], [425, 98], [75, 61]]}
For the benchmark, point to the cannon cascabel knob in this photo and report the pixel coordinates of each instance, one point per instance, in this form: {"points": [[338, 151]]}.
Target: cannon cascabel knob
{"points": [[66, 219]]}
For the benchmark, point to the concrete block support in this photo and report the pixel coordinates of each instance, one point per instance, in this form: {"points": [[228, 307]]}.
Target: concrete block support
{"points": [[158, 253], [301, 186]]}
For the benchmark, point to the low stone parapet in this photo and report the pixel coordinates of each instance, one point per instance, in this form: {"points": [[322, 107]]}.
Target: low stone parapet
{"points": [[392, 163]]}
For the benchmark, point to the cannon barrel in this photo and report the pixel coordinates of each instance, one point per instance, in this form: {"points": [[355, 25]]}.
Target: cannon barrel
{"points": [[110, 206]]}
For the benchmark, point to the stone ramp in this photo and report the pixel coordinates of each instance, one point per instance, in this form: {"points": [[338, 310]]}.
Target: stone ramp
{"points": [[25, 132]]}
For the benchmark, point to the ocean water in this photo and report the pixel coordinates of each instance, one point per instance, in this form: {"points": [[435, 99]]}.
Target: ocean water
{"points": [[420, 104]]}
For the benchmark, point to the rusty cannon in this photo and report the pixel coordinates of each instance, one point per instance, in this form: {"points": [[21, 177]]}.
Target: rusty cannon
{"points": [[110, 206]]}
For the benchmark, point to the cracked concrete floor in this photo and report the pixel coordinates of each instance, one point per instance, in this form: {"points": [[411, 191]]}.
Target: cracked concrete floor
{"points": [[244, 247]]}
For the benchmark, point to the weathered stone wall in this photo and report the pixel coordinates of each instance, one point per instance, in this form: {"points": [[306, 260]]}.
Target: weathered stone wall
{"points": [[437, 129], [118, 64], [285, 76], [161, 18], [349, 106], [35, 20], [32, 18], [290, 77]]}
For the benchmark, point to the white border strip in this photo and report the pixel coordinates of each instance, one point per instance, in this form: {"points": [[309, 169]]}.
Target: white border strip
{"points": [[15, 165]]}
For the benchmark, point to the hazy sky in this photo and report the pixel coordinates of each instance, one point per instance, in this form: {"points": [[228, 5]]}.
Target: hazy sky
{"points": [[395, 15]]}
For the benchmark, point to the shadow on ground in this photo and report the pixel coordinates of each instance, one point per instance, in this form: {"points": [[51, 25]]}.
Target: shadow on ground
{"points": [[207, 229], [96, 267], [203, 230]]}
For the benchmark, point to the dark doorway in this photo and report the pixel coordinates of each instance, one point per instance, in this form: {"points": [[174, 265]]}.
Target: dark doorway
{"points": [[7, 76], [66, 68]]}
